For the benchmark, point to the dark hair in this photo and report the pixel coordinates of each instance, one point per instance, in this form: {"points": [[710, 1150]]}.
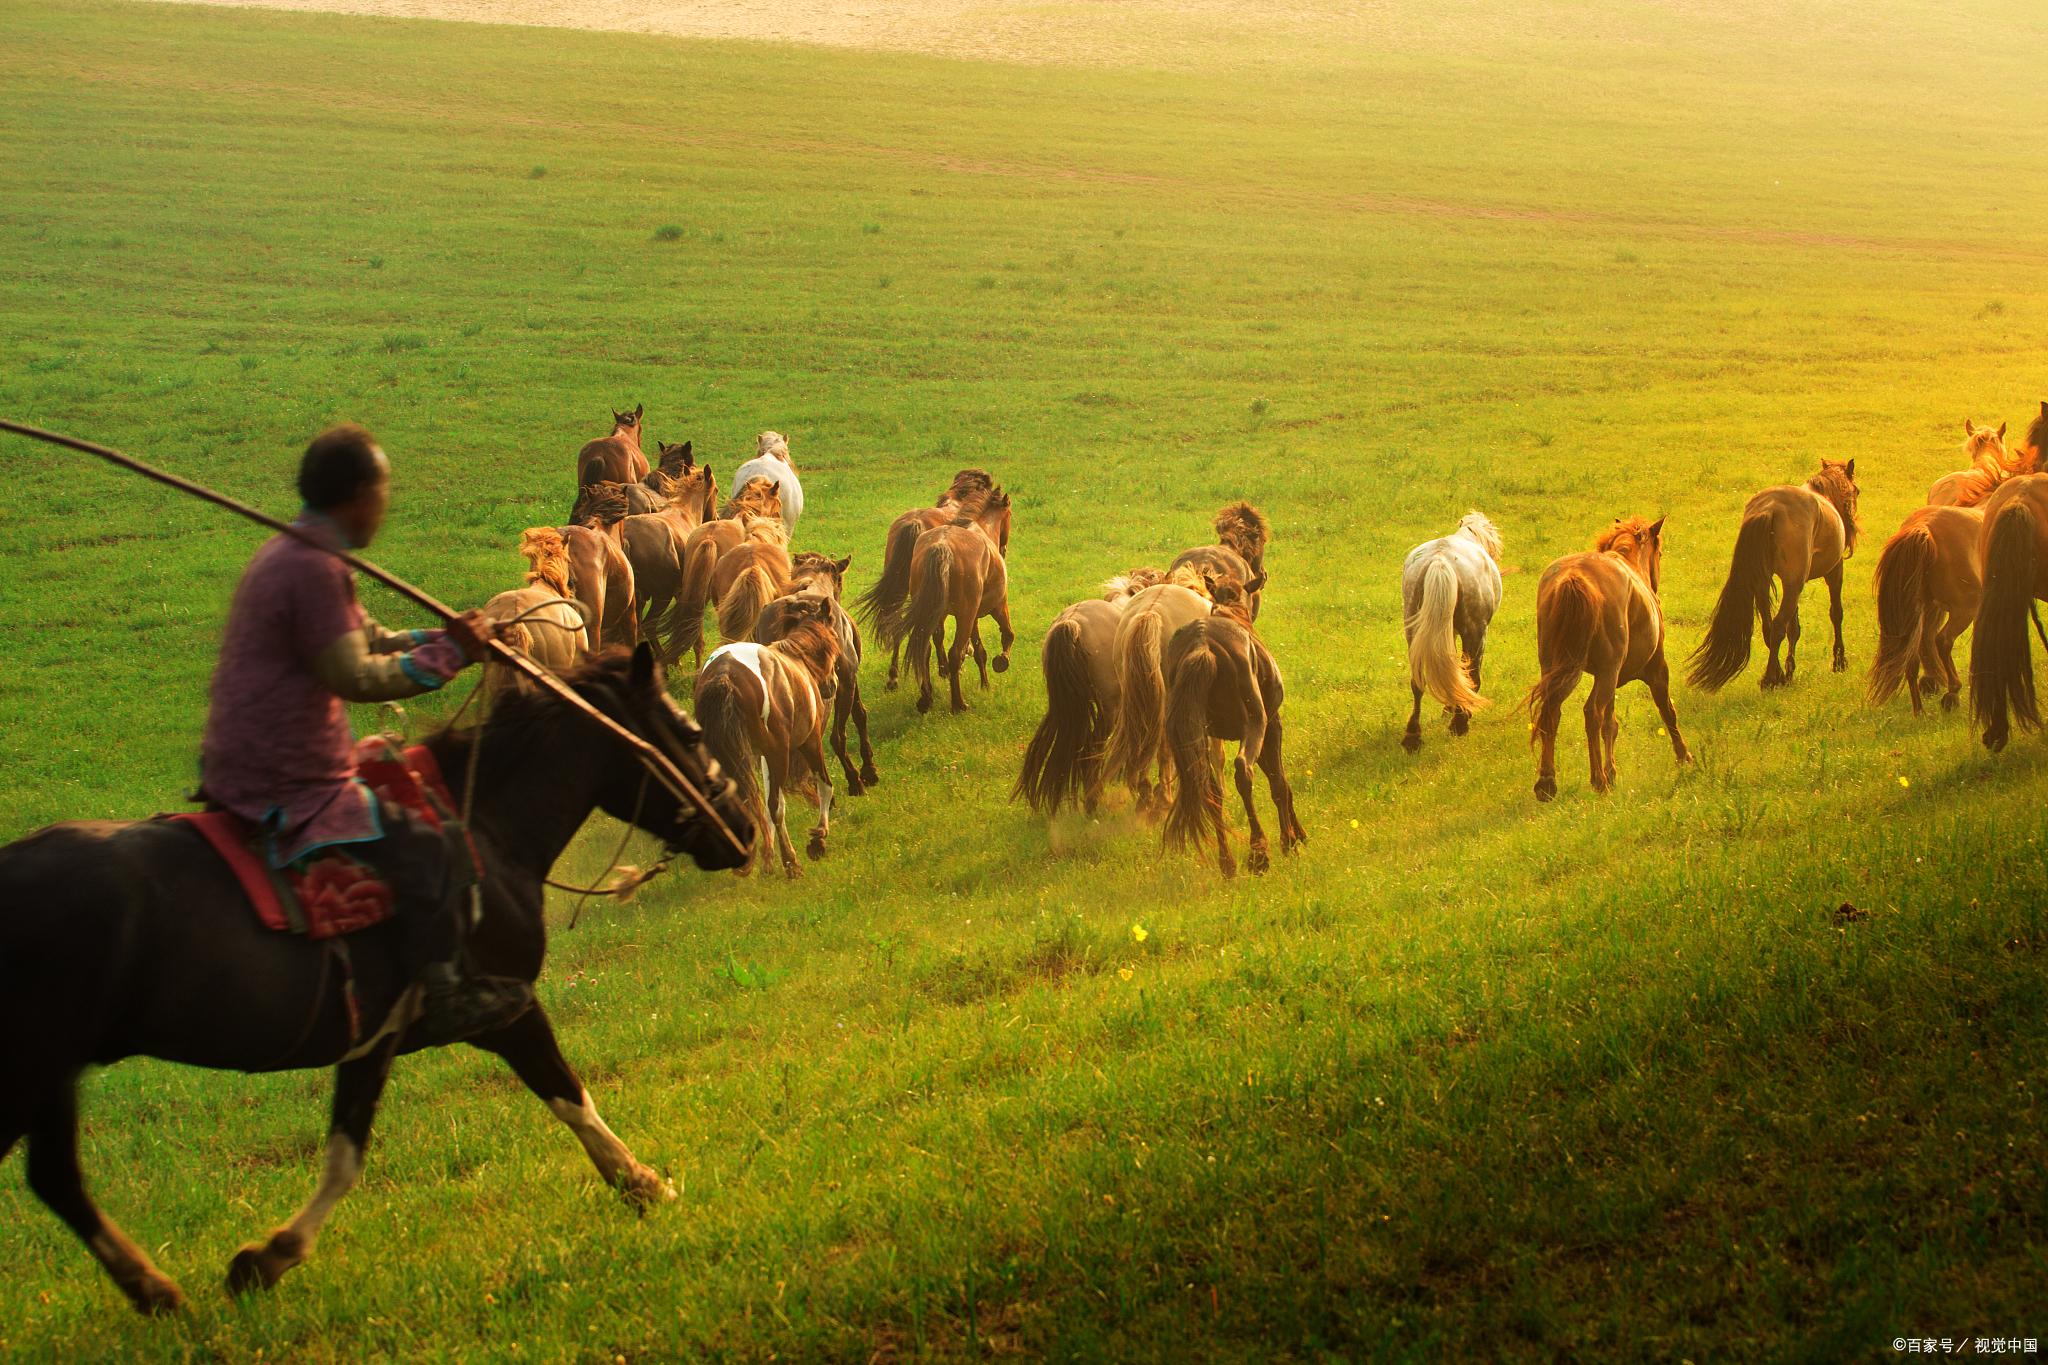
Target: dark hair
{"points": [[337, 464]]}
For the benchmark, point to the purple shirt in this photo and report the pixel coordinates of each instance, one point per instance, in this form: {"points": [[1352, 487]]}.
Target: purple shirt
{"points": [[278, 749]]}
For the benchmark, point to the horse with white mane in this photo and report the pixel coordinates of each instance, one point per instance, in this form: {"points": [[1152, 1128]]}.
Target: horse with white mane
{"points": [[1450, 588]]}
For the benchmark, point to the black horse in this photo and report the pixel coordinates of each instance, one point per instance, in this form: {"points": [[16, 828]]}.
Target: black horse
{"points": [[133, 939]]}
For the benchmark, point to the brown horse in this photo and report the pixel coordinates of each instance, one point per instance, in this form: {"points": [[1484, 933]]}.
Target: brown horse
{"points": [[747, 578], [1063, 762], [618, 456], [960, 570], [1137, 730], [601, 583], [765, 704], [1991, 464], [816, 575], [748, 516], [1599, 613], [1794, 532], [1243, 532], [691, 488], [1928, 583], [540, 618], [1222, 684], [886, 605], [2013, 550]]}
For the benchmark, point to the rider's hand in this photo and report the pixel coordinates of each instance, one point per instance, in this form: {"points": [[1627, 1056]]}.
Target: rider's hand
{"points": [[473, 631]]}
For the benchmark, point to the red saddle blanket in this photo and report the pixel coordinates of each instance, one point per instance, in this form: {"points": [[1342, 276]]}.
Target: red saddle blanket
{"points": [[332, 892]]}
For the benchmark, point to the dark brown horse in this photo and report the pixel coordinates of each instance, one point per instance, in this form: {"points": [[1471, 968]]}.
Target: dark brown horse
{"points": [[2013, 550], [1793, 533], [886, 605], [959, 570], [816, 575], [618, 456], [134, 939], [1599, 613], [1242, 532], [1222, 684]]}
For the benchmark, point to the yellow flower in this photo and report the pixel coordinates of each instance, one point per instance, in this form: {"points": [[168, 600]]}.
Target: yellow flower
{"points": [[1138, 934], [1125, 973], [1354, 824], [1903, 782]]}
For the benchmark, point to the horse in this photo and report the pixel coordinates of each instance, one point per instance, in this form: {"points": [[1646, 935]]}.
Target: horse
{"points": [[1928, 584], [1599, 613], [960, 570], [2013, 550], [1063, 761], [653, 542], [754, 512], [133, 938], [1222, 684], [771, 461], [1243, 532], [1793, 532], [765, 704], [538, 619], [617, 457], [1137, 728], [886, 605], [747, 578], [816, 575], [1450, 587], [682, 481], [601, 582], [1991, 464]]}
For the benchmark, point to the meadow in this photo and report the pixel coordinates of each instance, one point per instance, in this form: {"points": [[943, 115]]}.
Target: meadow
{"points": [[1739, 1061]]}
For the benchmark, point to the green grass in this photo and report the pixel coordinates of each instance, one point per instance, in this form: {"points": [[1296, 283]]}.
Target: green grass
{"points": [[1469, 1077]]}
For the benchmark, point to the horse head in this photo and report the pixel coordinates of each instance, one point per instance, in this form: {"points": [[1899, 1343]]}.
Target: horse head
{"points": [[627, 424], [827, 575], [1641, 543], [1837, 483]]}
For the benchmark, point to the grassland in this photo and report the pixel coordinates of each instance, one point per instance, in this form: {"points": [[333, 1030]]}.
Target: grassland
{"points": [[1610, 1078]]}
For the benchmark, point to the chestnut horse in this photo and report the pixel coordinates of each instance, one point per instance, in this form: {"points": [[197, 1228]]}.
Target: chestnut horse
{"points": [[1928, 583], [1243, 532], [816, 575], [134, 939], [1599, 613], [959, 570], [2013, 550], [765, 704], [886, 605], [1991, 464], [617, 457], [1137, 724], [752, 514], [1450, 588], [1222, 684], [1063, 762], [1793, 532], [601, 582], [539, 619]]}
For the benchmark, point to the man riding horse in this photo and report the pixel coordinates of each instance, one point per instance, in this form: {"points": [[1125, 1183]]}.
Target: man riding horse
{"points": [[278, 751]]}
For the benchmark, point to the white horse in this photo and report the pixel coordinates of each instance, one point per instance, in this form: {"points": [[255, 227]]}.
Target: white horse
{"points": [[771, 461], [1449, 586]]}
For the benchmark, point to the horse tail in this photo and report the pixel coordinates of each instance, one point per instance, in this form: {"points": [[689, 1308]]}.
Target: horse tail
{"points": [[1141, 705], [1064, 748], [1198, 799], [1725, 651], [1434, 662], [1564, 635], [926, 616], [722, 713], [741, 606], [1905, 600], [693, 594], [883, 605], [2001, 662]]}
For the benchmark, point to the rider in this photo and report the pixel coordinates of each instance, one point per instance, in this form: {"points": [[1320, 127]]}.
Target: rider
{"points": [[278, 750]]}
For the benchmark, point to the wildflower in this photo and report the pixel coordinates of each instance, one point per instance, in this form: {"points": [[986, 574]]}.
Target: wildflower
{"points": [[1903, 782], [1139, 934], [1125, 973]]}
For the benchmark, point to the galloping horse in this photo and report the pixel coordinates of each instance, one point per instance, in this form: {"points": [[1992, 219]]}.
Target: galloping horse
{"points": [[2013, 550], [1243, 531], [816, 575], [766, 704], [748, 577], [618, 456], [1137, 729], [539, 618], [1222, 684], [960, 570], [1991, 464], [601, 582], [771, 461], [886, 605], [1928, 584], [1599, 613], [753, 513], [125, 939], [1450, 587], [1793, 532], [1063, 761]]}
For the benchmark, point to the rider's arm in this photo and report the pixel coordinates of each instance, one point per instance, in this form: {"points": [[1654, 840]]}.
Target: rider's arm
{"points": [[382, 640], [355, 670]]}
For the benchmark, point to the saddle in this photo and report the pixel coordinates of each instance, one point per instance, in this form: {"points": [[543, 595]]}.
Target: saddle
{"points": [[332, 892]]}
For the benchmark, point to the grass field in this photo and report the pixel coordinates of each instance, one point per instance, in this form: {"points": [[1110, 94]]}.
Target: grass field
{"points": [[1470, 1076]]}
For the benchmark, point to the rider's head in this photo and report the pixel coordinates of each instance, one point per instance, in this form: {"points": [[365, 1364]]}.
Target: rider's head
{"points": [[345, 478]]}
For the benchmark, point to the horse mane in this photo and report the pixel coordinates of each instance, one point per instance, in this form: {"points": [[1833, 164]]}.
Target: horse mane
{"points": [[776, 444], [603, 502], [664, 484], [1482, 529], [1624, 538], [1130, 583], [1832, 482], [806, 565], [813, 644], [759, 497], [2037, 436], [969, 487], [547, 558], [1189, 577], [763, 526], [1244, 529]]}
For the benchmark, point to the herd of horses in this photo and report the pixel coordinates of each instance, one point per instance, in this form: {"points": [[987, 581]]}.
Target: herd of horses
{"points": [[1148, 679]]}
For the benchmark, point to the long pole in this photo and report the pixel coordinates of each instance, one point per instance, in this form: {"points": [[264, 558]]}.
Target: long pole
{"points": [[657, 762]]}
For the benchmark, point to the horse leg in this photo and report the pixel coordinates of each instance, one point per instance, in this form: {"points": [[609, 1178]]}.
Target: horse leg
{"points": [[964, 633], [1599, 706], [1945, 643], [1657, 675], [895, 656], [1411, 739], [1224, 862], [1547, 718], [54, 1175], [921, 666], [980, 656], [1773, 631], [1461, 721], [1789, 614], [357, 1087], [842, 707], [814, 755], [859, 709], [1280, 789], [1258, 859], [528, 1046], [778, 810], [1005, 637], [1834, 582]]}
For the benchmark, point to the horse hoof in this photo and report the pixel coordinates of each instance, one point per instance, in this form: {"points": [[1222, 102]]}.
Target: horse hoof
{"points": [[254, 1268], [1412, 742], [924, 704], [959, 708], [156, 1295], [1258, 861], [792, 872], [1001, 663], [854, 786], [889, 685], [869, 777], [815, 849], [1948, 701], [1545, 788], [1460, 723], [646, 1188]]}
